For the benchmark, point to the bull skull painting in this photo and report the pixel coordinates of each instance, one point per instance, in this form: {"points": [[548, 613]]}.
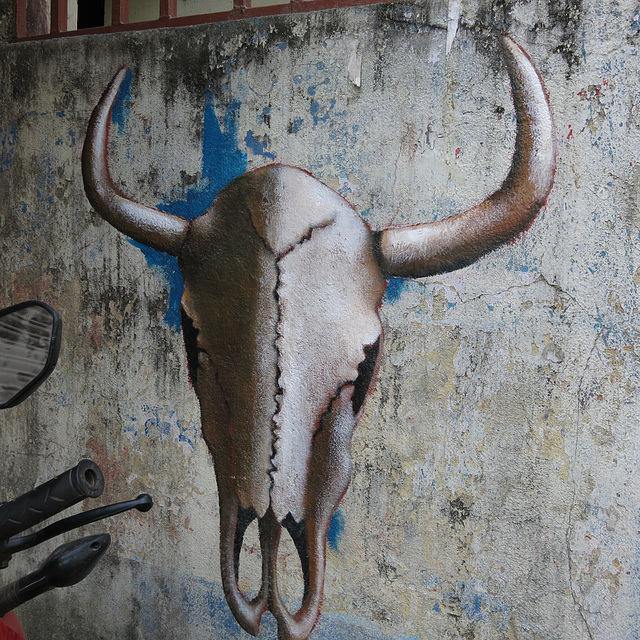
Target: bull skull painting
{"points": [[283, 281]]}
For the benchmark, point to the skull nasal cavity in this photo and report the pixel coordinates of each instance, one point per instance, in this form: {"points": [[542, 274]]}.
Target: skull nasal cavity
{"points": [[250, 562], [291, 573]]}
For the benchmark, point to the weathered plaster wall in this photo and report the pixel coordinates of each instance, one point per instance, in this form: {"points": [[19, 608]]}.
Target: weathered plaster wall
{"points": [[7, 19], [496, 486]]}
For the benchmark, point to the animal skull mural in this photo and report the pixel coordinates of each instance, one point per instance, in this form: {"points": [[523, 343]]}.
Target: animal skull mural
{"points": [[283, 281]]}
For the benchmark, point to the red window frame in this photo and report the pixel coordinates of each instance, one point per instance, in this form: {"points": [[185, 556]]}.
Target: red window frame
{"points": [[168, 15]]}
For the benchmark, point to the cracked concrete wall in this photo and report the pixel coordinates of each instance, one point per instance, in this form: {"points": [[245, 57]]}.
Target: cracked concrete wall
{"points": [[495, 484]]}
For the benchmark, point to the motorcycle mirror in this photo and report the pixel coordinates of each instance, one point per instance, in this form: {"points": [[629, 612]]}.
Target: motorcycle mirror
{"points": [[30, 334]]}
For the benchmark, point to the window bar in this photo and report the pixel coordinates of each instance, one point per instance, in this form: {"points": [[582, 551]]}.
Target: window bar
{"points": [[120, 12], [168, 9], [56, 23], [239, 6], [58, 16], [21, 18]]}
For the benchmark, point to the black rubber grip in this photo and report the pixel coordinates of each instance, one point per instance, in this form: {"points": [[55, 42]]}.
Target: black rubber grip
{"points": [[67, 565], [10, 598], [85, 480]]}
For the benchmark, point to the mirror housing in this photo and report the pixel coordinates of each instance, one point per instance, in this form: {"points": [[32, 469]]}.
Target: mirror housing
{"points": [[30, 335]]}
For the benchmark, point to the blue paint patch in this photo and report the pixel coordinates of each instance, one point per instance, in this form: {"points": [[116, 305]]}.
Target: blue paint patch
{"points": [[63, 399], [395, 287], [332, 626], [167, 267], [473, 607], [296, 125], [515, 265], [430, 579], [156, 423], [472, 596], [314, 109], [8, 139], [336, 529], [37, 217], [161, 424], [176, 600], [222, 161], [313, 88], [321, 115], [282, 46], [259, 147], [122, 106], [149, 622]]}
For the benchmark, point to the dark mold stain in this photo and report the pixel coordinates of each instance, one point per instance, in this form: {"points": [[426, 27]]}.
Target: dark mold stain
{"points": [[386, 571], [410, 14], [24, 75], [495, 16], [564, 16], [391, 24], [380, 614], [458, 512], [118, 309], [567, 14]]}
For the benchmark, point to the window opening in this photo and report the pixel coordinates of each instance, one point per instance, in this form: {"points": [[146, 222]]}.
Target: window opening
{"points": [[90, 14]]}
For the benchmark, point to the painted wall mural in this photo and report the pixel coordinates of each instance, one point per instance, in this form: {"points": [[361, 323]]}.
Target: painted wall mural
{"points": [[494, 481], [283, 283]]}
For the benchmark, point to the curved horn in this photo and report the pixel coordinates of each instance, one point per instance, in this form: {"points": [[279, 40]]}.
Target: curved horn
{"points": [[154, 228], [445, 245]]}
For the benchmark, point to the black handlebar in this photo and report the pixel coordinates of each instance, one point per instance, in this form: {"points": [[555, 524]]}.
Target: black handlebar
{"points": [[142, 503], [67, 565], [70, 562], [85, 480]]}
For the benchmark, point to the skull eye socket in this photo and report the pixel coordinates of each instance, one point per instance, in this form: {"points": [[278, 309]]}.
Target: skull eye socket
{"points": [[366, 373], [190, 336]]}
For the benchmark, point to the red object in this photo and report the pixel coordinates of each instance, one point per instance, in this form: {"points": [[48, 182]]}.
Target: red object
{"points": [[10, 628]]}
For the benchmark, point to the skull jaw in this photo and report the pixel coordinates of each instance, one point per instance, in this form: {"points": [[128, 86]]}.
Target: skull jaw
{"points": [[234, 521], [248, 612], [328, 478]]}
